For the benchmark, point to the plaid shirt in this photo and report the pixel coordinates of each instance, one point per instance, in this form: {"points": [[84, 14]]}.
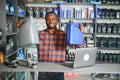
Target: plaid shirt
{"points": [[52, 46]]}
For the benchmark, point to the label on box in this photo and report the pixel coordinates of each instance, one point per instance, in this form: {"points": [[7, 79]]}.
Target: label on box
{"points": [[71, 75]]}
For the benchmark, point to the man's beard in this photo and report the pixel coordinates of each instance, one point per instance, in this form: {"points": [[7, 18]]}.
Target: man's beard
{"points": [[52, 27]]}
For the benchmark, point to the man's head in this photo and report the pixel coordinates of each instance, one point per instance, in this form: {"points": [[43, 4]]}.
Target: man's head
{"points": [[51, 20]]}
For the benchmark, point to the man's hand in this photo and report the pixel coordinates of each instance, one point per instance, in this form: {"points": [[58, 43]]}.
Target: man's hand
{"points": [[82, 28], [76, 46]]}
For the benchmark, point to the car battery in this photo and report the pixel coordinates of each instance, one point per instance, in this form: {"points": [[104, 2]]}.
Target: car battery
{"points": [[113, 1], [118, 28], [98, 41], [104, 42], [112, 42], [108, 1], [112, 14], [110, 56], [106, 56], [103, 13], [114, 59], [43, 12], [104, 1], [99, 28], [107, 13], [118, 14], [116, 1], [36, 12], [114, 28], [12, 9], [99, 15], [118, 42], [29, 11], [109, 28], [7, 7], [118, 58], [104, 27], [109, 42], [98, 56], [101, 57]]}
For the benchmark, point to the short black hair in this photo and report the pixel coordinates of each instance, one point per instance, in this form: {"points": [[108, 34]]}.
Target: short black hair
{"points": [[50, 13]]}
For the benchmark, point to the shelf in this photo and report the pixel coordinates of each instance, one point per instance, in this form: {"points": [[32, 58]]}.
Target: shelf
{"points": [[109, 5], [69, 61], [79, 4], [11, 53], [111, 19], [41, 18], [118, 34], [21, 1], [7, 78], [9, 14], [34, 4], [117, 6], [21, 16], [108, 20], [3, 40], [11, 34], [108, 36], [108, 48], [88, 34], [77, 20], [14, 51]]}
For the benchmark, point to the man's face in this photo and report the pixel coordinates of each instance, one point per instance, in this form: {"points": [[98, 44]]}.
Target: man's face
{"points": [[51, 21]]}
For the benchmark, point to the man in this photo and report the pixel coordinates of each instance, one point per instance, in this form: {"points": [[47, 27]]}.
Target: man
{"points": [[52, 47]]}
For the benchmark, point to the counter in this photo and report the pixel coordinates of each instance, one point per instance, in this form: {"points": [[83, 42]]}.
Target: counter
{"points": [[54, 67]]}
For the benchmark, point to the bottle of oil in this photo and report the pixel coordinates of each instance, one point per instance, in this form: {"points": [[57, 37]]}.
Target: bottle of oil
{"points": [[1, 57], [1, 34]]}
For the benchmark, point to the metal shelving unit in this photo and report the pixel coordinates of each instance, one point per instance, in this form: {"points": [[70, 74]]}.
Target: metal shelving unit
{"points": [[9, 41]]}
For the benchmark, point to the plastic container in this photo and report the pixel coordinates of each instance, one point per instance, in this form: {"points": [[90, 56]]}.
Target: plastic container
{"points": [[73, 33]]}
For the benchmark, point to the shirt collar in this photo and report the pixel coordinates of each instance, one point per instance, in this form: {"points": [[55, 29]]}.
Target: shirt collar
{"points": [[53, 31]]}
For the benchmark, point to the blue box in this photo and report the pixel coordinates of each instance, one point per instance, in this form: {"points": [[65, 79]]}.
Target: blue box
{"points": [[73, 34]]}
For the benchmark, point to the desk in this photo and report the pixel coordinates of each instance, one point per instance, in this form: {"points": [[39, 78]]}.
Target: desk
{"points": [[54, 67]]}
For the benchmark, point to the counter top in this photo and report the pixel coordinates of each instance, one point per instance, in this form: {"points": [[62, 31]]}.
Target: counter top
{"points": [[54, 67]]}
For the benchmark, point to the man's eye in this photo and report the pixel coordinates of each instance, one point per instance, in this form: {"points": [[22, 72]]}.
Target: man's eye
{"points": [[50, 19]]}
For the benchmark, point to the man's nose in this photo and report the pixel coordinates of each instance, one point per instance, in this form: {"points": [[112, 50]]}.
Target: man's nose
{"points": [[50, 20]]}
